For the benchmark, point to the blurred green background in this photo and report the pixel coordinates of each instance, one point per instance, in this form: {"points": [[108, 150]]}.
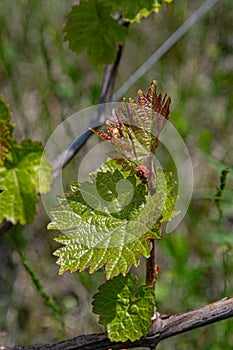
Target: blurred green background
{"points": [[44, 83]]}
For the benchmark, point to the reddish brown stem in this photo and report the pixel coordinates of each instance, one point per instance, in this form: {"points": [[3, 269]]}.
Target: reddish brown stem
{"points": [[151, 261], [151, 267]]}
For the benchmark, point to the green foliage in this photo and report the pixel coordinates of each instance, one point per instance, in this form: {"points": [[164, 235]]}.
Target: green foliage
{"points": [[99, 227], [111, 219], [202, 104], [125, 308], [21, 172], [90, 27]]}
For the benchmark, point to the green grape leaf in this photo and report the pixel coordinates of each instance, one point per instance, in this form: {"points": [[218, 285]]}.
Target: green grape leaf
{"points": [[5, 130], [135, 11], [124, 308], [19, 177], [92, 28], [109, 221]]}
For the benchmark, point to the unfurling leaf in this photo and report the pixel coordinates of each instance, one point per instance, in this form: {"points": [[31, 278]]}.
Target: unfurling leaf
{"points": [[135, 11], [124, 308], [135, 131]]}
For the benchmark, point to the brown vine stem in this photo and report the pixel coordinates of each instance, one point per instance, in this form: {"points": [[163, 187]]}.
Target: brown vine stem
{"points": [[163, 327], [151, 270], [151, 267]]}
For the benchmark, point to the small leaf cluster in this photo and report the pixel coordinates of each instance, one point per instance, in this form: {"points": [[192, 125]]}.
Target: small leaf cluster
{"points": [[135, 131]]}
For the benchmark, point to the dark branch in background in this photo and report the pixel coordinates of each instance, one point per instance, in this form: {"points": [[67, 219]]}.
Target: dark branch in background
{"points": [[106, 96], [162, 328]]}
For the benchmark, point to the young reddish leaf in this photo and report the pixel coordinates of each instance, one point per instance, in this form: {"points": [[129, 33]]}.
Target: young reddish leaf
{"points": [[135, 131]]}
